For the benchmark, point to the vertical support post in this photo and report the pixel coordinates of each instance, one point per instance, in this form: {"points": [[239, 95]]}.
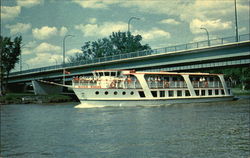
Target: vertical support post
{"points": [[189, 85], [236, 22], [224, 85]]}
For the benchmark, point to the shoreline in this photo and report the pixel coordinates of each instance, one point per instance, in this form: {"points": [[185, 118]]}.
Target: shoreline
{"points": [[24, 98]]}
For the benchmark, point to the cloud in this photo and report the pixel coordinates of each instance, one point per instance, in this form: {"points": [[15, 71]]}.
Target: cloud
{"points": [[44, 59], [153, 34], [46, 32], [210, 25], [28, 3], [19, 27], [28, 48], [97, 4], [90, 30], [46, 47], [72, 52], [44, 54], [8, 13], [63, 31], [170, 21], [92, 20], [201, 38], [242, 30]]}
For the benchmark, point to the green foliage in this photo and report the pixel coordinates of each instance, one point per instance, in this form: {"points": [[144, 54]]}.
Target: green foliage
{"points": [[116, 43], [11, 51], [239, 76], [9, 56]]}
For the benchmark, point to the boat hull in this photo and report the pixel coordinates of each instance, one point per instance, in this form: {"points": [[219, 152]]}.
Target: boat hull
{"points": [[150, 102]]}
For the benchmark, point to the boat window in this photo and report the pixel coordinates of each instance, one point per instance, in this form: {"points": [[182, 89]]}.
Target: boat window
{"points": [[118, 73], [197, 92], [187, 93], [97, 92], [179, 93], [222, 92], [154, 93], [115, 93], [141, 93], [216, 92], [123, 93], [162, 93], [106, 93], [106, 73], [100, 73], [170, 93], [210, 92], [113, 74], [203, 92], [132, 93]]}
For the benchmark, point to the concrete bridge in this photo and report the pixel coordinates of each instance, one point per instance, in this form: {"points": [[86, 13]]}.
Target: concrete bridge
{"points": [[223, 52]]}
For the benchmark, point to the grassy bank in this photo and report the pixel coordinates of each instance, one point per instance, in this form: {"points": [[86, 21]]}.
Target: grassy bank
{"points": [[26, 98], [239, 91]]}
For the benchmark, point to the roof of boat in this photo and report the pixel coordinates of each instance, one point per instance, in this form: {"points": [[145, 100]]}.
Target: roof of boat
{"points": [[132, 72]]}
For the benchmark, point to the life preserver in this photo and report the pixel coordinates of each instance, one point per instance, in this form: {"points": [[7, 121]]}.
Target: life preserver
{"points": [[112, 85], [166, 84]]}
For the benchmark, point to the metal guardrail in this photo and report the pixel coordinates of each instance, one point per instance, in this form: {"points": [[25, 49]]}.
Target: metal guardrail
{"points": [[188, 46]]}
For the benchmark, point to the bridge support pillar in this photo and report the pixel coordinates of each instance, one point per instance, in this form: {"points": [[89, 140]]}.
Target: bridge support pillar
{"points": [[45, 89]]}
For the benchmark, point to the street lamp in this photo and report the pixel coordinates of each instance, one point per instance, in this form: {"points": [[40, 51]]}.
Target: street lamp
{"points": [[130, 21], [208, 41], [64, 56], [236, 22]]}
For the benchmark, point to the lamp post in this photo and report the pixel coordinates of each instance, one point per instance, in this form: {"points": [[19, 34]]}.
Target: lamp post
{"points": [[20, 61], [208, 41], [130, 21], [236, 22], [64, 56]]}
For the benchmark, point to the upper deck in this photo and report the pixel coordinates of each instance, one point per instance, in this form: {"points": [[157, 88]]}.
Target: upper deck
{"points": [[154, 80]]}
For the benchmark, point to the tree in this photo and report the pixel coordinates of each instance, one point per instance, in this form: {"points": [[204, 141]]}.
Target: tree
{"points": [[10, 52], [240, 76], [116, 43]]}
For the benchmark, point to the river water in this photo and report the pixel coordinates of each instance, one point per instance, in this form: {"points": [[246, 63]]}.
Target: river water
{"points": [[206, 130]]}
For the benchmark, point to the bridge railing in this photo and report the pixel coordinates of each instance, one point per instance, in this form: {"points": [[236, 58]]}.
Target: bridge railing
{"points": [[169, 49]]}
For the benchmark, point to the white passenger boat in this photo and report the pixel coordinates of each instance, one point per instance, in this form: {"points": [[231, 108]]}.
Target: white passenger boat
{"points": [[131, 88]]}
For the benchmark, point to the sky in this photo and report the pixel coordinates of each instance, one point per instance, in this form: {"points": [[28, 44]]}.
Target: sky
{"points": [[44, 23]]}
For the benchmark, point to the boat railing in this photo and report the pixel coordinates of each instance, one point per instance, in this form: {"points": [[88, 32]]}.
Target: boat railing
{"points": [[166, 84], [105, 83], [206, 84]]}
